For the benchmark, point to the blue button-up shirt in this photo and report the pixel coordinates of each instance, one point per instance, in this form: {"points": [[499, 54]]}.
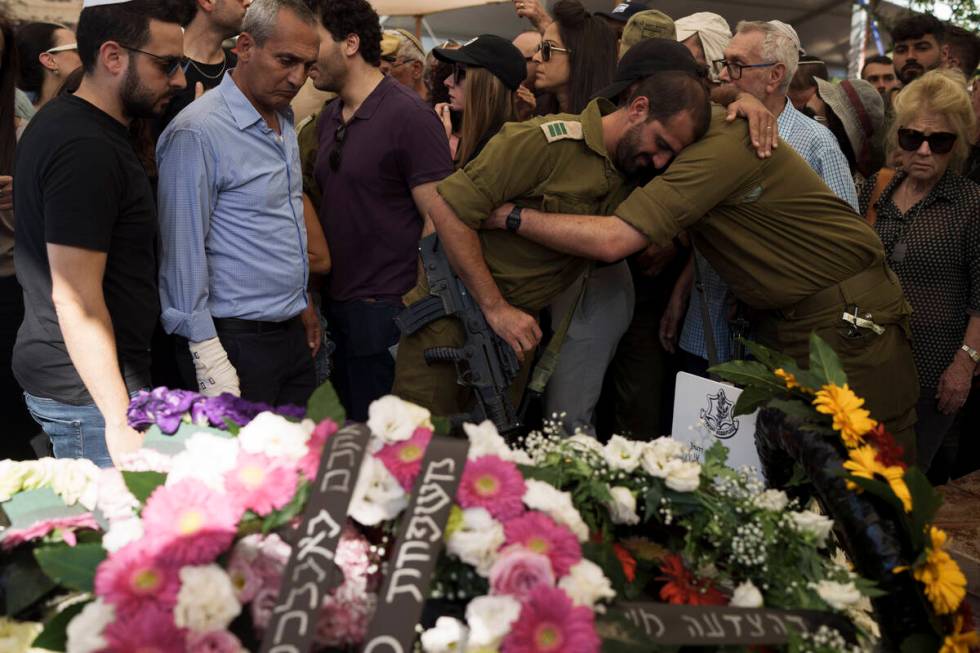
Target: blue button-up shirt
{"points": [[233, 240]]}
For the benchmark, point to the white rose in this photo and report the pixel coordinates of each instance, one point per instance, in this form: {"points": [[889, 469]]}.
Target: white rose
{"points": [[477, 540], [206, 458], [448, 636], [395, 420], [585, 443], [683, 475], [746, 595], [274, 435], [657, 454], [839, 596], [206, 600], [85, 629], [77, 481], [622, 508], [774, 500], [122, 532], [557, 505], [115, 502], [146, 460], [622, 454], [11, 478], [486, 441], [39, 473], [490, 619], [586, 585], [377, 496], [813, 523]]}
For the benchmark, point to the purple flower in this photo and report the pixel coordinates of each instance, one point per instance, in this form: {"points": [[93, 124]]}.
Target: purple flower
{"points": [[161, 406], [168, 408]]}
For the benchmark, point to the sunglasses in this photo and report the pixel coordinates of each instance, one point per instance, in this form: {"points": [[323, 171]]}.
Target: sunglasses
{"points": [[68, 47], [339, 136], [170, 65], [459, 74], [547, 47], [911, 140]]}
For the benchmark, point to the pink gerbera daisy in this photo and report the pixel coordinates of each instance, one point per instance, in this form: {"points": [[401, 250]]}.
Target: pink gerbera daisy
{"points": [[259, 484], [539, 533], [137, 577], [493, 483], [551, 623], [310, 463], [404, 459], [145, 631], [191, 522]]}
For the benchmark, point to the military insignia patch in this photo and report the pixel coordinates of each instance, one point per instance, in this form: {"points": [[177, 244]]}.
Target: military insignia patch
{"points": [[559, 130]]}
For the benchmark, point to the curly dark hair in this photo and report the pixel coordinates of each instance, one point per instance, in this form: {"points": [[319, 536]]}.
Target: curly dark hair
{"points": [[918, 25], [344, 17]]}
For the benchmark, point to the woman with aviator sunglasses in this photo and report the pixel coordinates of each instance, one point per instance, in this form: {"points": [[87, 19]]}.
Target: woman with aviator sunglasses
{"points": [[928, 219]]}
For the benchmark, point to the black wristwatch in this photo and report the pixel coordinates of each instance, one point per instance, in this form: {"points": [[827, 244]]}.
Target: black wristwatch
{"points": [[514, 219]]}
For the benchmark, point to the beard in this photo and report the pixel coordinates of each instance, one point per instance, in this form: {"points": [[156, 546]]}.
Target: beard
{"points": [[331, 74], [137, 100], [626, 155], [911, 71]]}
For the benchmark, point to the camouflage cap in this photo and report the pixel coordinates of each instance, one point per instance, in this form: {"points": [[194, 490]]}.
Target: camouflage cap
{"points": [[649, 24]]}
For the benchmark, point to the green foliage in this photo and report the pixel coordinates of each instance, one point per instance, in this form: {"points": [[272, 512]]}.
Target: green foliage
{"points": [[441, 426], [925, 503], [23, 580], [825, 363], [232, 426], [142, 484], [54, 637], [795, 408], [880, 490], [750, 374], [325, 404], [603, 554], [71, 566], [279, 518]]}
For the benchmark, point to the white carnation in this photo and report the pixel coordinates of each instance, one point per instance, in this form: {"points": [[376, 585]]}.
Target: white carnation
{"points": [[206, 458], [839, 596], [683, 475], [146, 460], [659, 453], [122, 532], [477, 540], [85, 629], [395, 420], [622, 454], [490, 619], [586, 585], [206, 600], [622, 508], [11, 477], [77, 481], [746, 595], [774, 500], [486, 441], [814, 524], [39, 473], [557, 505], [377, 496], [115, 502], [448, 636], [274, 435]]}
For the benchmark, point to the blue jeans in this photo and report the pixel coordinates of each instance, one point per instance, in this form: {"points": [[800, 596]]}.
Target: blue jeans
{"points": [[74, 431]]}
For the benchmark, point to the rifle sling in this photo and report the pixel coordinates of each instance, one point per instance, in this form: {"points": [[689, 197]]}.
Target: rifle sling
{"points": [[549, 359]]}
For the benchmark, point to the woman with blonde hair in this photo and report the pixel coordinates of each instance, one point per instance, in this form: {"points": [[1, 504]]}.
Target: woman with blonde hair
{"points": [[928, 219]]}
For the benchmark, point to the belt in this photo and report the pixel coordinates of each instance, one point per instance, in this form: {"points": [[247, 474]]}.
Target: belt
{"points": [[836, 295], [237, 325]]}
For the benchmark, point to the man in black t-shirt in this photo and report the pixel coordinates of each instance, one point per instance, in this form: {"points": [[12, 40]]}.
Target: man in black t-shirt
{"points": [[207, 24], [85, 227]]}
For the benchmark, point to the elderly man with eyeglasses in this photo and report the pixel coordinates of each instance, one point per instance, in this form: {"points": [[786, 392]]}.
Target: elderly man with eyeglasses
{"points": [[403, 59]]}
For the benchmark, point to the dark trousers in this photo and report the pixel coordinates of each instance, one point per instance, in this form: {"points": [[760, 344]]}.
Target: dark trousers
{"points": [[273, 367], [364, 368], [18, 427], [935, 438]]}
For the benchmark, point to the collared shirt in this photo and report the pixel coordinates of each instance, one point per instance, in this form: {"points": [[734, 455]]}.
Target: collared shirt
{"points": [[233, 240], [818, 147]]}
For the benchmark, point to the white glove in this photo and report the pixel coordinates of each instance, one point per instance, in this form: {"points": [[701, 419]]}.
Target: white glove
{"points": [[215, 373]]}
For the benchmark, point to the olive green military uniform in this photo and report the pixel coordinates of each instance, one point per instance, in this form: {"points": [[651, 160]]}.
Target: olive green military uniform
{"points": [[552, 163], [794, 252], [309, 147]]}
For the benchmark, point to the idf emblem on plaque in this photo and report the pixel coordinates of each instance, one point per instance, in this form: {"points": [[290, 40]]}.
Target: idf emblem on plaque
{"points": [[719, 415]]}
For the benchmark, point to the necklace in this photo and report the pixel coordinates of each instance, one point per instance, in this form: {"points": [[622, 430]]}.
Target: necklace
{"points": [[224, 64]]}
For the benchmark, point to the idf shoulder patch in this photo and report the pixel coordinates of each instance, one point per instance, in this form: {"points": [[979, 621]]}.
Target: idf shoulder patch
{"points": [[559, 130]]}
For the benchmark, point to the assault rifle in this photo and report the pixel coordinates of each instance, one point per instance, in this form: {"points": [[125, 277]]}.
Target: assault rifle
{"points": [[485, 362]]}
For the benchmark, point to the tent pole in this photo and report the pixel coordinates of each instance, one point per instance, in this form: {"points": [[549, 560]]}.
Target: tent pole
{"points": [[418, 27]]}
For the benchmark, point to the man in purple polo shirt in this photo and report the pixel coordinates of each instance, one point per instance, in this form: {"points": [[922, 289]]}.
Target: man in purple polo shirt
{"points": [[381, 152]]}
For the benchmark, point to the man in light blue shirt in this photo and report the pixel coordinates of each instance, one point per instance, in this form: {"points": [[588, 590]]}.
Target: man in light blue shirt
{"points": [[234, 269], [761, 60]]}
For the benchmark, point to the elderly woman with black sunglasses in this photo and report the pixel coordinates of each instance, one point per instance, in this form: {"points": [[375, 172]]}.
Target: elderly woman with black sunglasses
{"points": [[928, 218]]}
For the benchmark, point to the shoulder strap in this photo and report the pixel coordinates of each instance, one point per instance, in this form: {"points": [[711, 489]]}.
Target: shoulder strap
{"points": [[549, 359], [885, 176]]}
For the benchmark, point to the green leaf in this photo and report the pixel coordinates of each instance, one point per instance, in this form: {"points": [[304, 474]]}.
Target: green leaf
{"points": [[232, 426], [799, 476], [142, 484], [604, 555], [281, 517], [325, 404], [441, 426], [881, 490], [54, 637], [795, 408], [71, 566], [652, 498], [24, 581], [925, 503], [749, 374], [825, 363], [768, 357], [751, 399]]}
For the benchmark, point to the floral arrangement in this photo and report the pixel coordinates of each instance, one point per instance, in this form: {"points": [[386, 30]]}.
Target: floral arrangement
{"points": [[821, 400]]}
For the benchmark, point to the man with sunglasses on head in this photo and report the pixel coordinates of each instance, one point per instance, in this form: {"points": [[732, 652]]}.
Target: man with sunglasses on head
{"points": [[405, 62], [234, 265], [86, 223], [382, 150]]}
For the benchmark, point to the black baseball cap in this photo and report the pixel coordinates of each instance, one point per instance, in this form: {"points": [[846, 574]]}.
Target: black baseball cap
{"points": [[496, 54], [649, 57], [624, 11]]}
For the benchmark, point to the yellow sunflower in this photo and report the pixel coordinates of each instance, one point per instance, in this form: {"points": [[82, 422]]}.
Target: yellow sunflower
{"points": [[863, 463], [845, 407], [960, 642], [945, 584], [895, 476]]}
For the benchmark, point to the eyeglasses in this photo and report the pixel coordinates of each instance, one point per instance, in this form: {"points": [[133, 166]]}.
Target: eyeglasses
{"points": [[335, 154], [547, 47], [911, 140], [735, 69], [170, 64], [459, 74], [68, 47]]}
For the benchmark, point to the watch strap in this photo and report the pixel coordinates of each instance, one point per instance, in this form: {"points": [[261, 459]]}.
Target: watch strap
{"points": [[514, 219], [971, 352]]}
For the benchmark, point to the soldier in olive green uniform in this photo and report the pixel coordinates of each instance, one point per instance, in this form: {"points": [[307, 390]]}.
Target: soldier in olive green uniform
{"points": [[787, 247]]}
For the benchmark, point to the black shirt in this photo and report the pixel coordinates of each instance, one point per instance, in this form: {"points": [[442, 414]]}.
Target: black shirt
{"points": [[80, 184], [209, 74]]}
